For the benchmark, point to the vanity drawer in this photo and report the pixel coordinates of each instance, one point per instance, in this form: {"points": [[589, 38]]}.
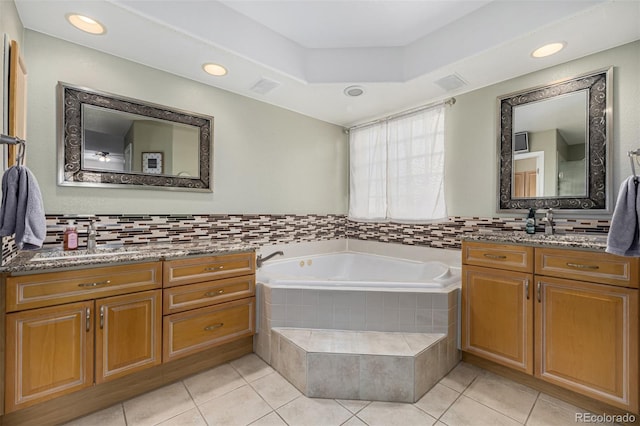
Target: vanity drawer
{"points": [[191, 296], [200, 269], [501, 256], [54, 288], [588, 266], [189, 332]]}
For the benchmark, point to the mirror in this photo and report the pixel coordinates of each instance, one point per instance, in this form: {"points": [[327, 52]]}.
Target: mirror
{"points": [[110, 141], [553, 146]]}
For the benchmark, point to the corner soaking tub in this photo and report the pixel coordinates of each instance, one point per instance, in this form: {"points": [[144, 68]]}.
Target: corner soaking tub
{"points": [[357, 291], [357, 271]]}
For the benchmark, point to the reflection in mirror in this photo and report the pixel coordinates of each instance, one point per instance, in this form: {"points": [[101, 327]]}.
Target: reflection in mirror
{"points": [[549, 147], [107, 140], [114, 140], [553, 146]]}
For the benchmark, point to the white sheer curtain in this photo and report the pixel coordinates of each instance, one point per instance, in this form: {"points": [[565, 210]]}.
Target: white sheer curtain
{"points": [[368, 172], [397, 169]]}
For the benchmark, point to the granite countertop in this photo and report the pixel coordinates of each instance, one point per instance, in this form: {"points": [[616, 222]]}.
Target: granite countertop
{"points": [[596, 242], [42, 260]]}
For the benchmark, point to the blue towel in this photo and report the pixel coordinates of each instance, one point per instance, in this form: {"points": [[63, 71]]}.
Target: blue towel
{"points": [[624, 238], [9, 198], [22, 210]]}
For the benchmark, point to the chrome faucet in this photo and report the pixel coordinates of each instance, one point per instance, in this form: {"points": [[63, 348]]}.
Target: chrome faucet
{"points": [[260, 260], [548, 222], [91, 235]]}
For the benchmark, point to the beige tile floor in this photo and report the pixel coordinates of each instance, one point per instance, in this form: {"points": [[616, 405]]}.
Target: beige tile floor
{"points": [[249, 392]]}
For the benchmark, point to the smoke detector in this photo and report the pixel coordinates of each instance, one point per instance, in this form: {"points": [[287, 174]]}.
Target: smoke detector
{"points": [[354, 91]]}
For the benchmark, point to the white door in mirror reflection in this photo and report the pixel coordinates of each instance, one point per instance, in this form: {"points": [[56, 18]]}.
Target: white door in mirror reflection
{"points": [[557, 128], [137, 144]]}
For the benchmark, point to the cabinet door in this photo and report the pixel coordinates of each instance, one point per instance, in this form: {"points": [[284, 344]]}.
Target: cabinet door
{"points": [[497, 316], [128, 334], [587, 339], [49, 353]]}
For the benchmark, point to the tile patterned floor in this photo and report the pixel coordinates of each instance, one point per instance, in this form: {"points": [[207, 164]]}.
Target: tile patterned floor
{"points": [[247, 391]]}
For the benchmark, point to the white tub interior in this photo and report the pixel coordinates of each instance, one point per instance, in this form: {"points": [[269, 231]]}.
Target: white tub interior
{"points": [[351, 269]]}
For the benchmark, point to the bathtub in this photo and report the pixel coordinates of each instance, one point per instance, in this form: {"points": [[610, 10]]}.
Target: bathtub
{"points": [[357, 271], [357, 291]]}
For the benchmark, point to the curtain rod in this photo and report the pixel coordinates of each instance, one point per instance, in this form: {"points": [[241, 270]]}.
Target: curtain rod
{"points": [[449, 102]]}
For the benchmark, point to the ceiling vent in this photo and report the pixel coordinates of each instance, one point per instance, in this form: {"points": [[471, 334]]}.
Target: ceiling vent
{"points": [[451, 82], [264, 86]]}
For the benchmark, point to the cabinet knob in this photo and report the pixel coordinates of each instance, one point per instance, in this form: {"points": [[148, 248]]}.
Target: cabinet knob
{"points": [[582, 266], [95, 284], [214, 268], [538, 291], [213, 327], [495, 256]]}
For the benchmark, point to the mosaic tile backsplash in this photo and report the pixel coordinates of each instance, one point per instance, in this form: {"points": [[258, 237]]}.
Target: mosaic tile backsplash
{"points": [[277, 229]]}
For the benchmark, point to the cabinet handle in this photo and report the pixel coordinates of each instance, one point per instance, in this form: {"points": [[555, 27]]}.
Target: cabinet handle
{"points": [[213, 327], [213, 293], [105, 282], [582, 266], [526, 287], [495, 256], [538, 292], [101, 317], [214, 268], [88, 320]]}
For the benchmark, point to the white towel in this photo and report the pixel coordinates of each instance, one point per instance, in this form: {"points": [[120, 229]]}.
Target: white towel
{"points": [[624, 238], [22, 210]]}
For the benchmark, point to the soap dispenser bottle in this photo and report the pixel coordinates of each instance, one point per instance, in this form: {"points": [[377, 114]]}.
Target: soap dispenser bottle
{"points": [[70, 237], [530, 225]]}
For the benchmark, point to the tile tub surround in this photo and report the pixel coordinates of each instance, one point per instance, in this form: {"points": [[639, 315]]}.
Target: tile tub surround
{"points": [[260, 229], [387, 311], [381, 314], [356, 365]]}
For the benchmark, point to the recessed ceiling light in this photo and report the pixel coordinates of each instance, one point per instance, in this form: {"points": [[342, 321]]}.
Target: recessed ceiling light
{"points": [[354, 91], [548, 49], [215, 69], [86, 24]]}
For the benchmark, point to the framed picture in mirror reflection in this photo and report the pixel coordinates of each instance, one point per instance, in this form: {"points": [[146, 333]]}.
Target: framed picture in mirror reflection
{"points": [[152, 163]]}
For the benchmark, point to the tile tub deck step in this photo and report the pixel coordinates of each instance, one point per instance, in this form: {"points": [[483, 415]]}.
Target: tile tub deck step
{"points": [[366, 365]]}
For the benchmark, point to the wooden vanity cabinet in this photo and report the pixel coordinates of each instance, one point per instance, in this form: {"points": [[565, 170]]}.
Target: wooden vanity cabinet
{"points": [[586, 324], [497, 307], [54, 350], [587, 339], [208, 301], [98, 334], [49, 353], [581, 306], [128, 334]]}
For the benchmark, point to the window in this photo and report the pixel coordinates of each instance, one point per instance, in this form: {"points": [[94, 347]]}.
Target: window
{"points": [[397, 168]]}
